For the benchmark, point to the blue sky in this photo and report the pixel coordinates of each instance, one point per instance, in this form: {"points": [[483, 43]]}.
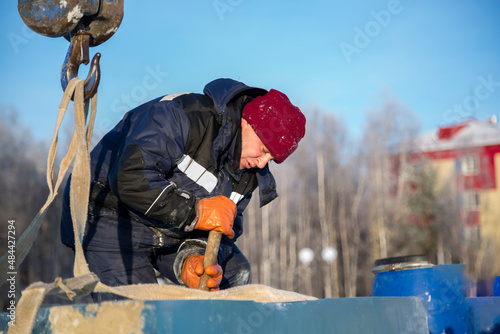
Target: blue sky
{"points": [[440, 58]]}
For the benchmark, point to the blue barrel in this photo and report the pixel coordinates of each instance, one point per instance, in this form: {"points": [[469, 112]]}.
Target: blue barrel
{"points": [[443, 287], [496, 287]]}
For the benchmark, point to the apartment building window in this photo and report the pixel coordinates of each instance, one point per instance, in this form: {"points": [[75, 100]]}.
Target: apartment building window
{"points": [[470, 165], [471, 201]]}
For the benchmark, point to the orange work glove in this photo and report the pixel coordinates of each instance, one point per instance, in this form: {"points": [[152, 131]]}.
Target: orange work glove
{"points": [[192, 269], [216, 214]]}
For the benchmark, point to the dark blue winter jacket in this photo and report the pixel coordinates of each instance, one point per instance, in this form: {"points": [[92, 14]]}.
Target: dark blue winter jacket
{"points": [[163, 155]]}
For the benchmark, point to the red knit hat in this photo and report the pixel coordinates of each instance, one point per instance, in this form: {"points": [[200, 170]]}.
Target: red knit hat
{"points": [[278, 123]]}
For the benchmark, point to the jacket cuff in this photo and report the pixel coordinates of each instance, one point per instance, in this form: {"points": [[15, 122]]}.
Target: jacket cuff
{"points": [[189, 227], [186, 249]]}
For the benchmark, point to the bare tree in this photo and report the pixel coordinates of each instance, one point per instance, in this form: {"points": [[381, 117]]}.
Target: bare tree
{"points": [[388, 131], [24, 190]]}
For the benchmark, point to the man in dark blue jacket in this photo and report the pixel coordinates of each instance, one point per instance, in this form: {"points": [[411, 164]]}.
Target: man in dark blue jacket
{"points": [[175, 168]]}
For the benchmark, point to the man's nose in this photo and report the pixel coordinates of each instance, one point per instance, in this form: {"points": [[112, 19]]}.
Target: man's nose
{"points": [[262, 162]]}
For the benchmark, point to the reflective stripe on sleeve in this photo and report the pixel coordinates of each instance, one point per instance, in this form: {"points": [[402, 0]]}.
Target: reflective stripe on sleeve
{"points": [[197, 173], [235, 197], [170, 97]]}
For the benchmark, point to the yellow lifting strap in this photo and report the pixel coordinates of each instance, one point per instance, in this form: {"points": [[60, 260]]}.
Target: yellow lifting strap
{"points": [[33, 296], [24, 243], [84, 281]]}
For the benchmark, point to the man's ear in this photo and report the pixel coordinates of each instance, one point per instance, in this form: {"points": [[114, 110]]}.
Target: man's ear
{"points": [[244, 123]]}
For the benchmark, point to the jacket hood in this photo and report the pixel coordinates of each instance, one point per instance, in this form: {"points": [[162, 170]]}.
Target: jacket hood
{"points": [[222, 91]]}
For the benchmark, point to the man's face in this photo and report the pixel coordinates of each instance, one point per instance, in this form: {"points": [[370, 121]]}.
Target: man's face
{"points": [[254, 154]]}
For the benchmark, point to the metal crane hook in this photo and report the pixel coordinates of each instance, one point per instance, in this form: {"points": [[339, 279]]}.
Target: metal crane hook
{"points": [[78, 53]]}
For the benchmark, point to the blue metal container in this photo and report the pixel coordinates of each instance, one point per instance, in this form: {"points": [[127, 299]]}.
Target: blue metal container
{"points": [[333, 315], [443, 287], [496, 287]]}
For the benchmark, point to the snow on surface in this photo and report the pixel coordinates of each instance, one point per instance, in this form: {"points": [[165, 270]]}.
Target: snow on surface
{"points": [[474, 134]]}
